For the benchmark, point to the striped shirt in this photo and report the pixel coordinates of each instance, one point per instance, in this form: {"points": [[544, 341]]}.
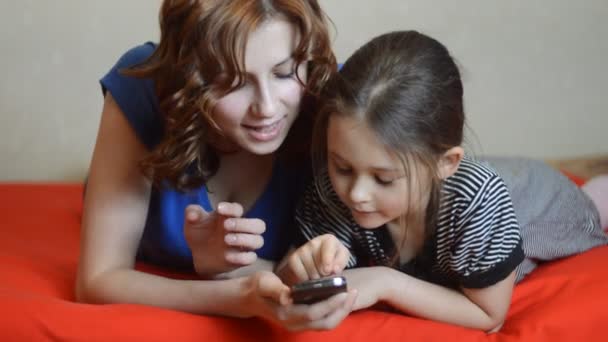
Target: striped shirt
{"points": [[477, 240]]}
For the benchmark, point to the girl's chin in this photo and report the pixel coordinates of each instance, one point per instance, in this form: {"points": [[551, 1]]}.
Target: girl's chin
{"points": [[368, 220]]}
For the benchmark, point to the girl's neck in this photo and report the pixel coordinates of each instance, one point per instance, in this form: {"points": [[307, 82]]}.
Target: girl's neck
{"points": [[409, 240]]}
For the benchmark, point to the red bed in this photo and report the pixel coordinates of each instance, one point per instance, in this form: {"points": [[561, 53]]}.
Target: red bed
{"points": [[565, 300]]}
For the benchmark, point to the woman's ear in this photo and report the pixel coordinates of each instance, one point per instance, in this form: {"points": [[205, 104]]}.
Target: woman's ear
{"points": [[449, 162]]}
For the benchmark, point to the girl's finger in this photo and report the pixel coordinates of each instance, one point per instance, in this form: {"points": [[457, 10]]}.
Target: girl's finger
{"points": [[341, 260], [297, 268], [307, 259], [326, 255]]}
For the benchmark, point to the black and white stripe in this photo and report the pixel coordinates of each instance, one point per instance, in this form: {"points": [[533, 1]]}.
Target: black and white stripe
{"points": [[476, 226]]}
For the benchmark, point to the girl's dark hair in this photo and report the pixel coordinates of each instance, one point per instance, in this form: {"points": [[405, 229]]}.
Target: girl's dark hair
{"points": [[406, 87], [201, 39]]}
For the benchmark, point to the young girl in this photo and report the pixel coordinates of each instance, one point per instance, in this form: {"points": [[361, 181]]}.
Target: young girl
{"points": [[433, 232], [191, 167]]}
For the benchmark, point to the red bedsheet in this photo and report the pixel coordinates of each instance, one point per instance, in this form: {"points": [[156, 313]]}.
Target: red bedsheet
{"points": [[565, 300]]}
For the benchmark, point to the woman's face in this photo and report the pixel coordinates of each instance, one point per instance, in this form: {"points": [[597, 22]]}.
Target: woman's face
{"points": [[258, 116]]}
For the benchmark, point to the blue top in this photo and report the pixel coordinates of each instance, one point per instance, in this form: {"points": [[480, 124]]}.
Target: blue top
{"points": [[163, 242]]}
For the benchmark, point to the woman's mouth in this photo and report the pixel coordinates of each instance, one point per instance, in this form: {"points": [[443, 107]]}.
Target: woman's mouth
{"points": [[266, 133]]}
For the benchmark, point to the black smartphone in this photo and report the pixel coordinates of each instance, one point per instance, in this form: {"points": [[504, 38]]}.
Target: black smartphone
{"points": [[312, 291]]}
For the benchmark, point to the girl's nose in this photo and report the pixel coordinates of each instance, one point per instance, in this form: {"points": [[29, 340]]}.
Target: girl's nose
{"points": [[359, 192]]}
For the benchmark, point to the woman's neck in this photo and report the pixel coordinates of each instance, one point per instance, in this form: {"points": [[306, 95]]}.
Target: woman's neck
{"points": [[241, 177]]}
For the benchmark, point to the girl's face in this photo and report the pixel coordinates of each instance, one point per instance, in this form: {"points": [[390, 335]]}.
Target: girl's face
{"points": [[258, 116], [369, 179]]}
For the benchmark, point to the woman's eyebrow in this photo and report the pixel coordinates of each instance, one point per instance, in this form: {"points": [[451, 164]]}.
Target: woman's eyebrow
{"points": [[286, 60]]}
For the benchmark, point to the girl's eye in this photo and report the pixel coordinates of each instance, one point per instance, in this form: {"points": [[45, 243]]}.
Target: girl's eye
{"points": [[342, 170], [384, 182]]}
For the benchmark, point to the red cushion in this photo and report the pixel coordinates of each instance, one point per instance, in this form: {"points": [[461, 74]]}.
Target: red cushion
{"points": [[566, 300]]}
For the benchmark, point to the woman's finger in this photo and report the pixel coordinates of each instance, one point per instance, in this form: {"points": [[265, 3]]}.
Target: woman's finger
{"points": [[247, 242], [230, 209], [244, 225], [239, 257], [335, 317], [269, 286], [302, 316]]}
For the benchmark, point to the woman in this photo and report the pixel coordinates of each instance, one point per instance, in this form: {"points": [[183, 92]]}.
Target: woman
{"points": [[195, 133]]}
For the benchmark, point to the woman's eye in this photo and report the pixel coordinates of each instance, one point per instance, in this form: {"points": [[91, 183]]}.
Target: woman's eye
{"points": [[283, 75]]}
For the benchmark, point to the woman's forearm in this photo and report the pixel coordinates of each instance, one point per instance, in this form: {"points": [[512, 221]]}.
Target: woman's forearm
{"points": [[258, 265], [213, 297], [434, 302]]}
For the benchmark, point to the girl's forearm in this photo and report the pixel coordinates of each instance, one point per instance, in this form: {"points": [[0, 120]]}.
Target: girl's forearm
{"points": [[214, 297], [434, 302]]}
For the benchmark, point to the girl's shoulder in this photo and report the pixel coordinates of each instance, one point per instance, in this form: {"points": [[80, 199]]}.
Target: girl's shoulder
{"points": [[471, 179], [478, 237]]}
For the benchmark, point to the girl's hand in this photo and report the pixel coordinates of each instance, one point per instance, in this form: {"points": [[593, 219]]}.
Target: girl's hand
{"points": [[222, 240], [269, 297], [320, 257]]}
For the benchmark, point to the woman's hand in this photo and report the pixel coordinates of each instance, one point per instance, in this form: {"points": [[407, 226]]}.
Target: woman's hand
{"points": [[222, 240], [320, 257], [269, 298]]}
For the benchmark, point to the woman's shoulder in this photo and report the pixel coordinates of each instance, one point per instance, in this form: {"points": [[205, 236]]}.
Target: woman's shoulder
{"points": [[136, 55], [136, 97]]}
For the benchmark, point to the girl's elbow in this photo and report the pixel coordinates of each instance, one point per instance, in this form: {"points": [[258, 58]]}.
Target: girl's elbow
{"points": [[494, 323], [495, 327], [82, 291], [87, 290]]}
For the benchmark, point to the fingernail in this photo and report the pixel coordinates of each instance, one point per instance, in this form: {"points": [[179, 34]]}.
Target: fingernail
{"points": [[229, 224], [192, 215], [230, 238], [221, 206]]}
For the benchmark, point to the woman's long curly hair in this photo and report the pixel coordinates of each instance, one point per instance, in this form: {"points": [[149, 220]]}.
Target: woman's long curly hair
{"points": [[201, 39]]}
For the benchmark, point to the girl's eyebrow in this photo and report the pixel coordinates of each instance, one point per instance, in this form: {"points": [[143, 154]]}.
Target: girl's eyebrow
{"points": [[374, 168], [385, 169], [336, 156]]}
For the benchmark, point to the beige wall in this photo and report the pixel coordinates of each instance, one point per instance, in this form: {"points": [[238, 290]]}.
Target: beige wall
{"points": [[535, 78]]}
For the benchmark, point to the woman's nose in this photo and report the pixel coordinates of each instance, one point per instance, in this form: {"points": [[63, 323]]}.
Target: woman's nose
{"points": [[265, 105]]}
